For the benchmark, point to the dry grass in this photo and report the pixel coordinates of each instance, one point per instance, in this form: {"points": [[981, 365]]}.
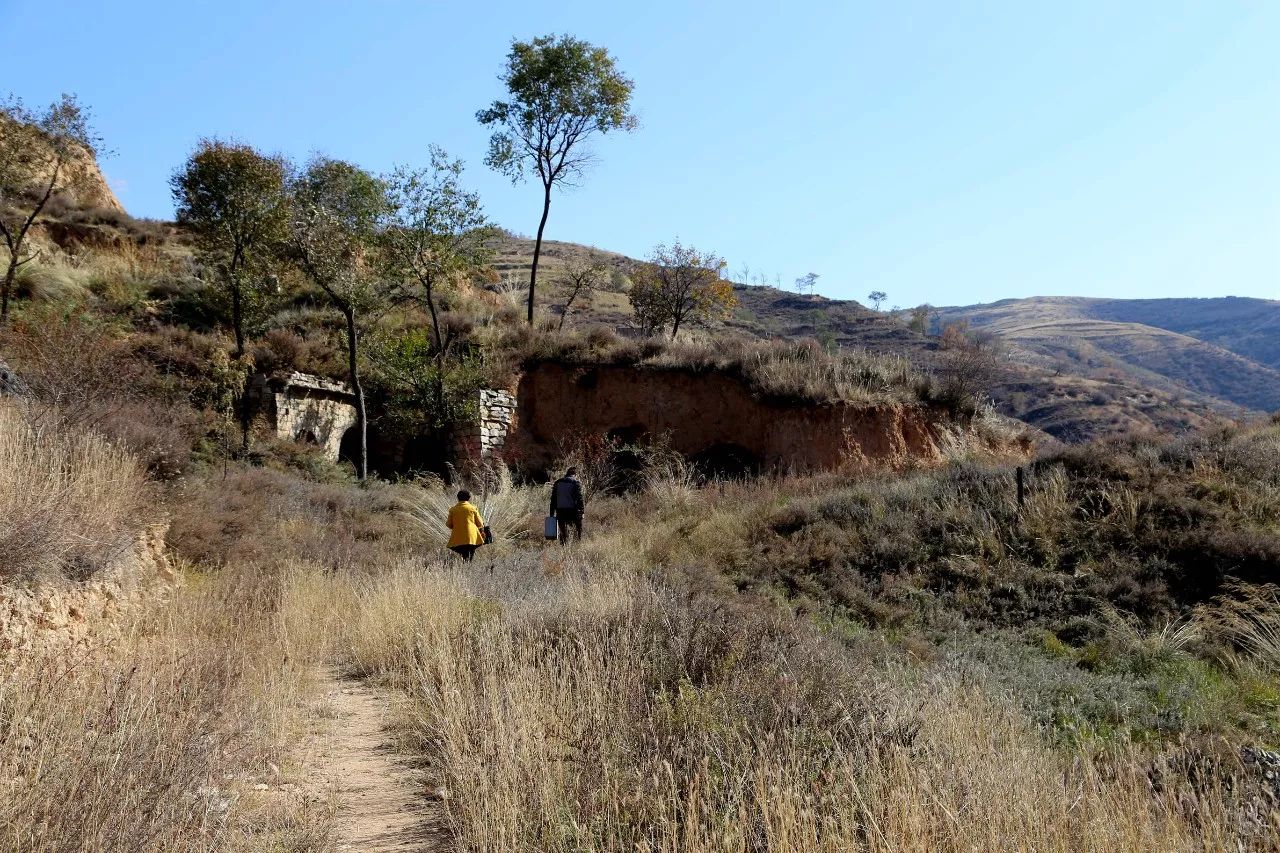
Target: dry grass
{"points": [[68, 500], [511, 510], [41, 282], [799, 371], [1247, 622], [581, 707], [154, 741]]}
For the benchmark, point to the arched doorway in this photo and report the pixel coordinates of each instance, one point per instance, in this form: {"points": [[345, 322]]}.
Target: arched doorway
{"points": [[626, 457], [727, 461], [349, 447]]}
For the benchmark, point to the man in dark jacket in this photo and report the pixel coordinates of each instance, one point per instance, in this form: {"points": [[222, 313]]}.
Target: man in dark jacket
{"points": [[567, 505]]}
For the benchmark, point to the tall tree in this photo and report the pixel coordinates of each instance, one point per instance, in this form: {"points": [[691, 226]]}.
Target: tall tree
{"points": [[234, 199], [877, 297], [338, 211], [437, 231], [680, 284], [39, 151], [562, 91]]}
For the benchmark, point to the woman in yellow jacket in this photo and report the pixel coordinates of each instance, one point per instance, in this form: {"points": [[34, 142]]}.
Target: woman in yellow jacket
{"points": [[466, 526]]}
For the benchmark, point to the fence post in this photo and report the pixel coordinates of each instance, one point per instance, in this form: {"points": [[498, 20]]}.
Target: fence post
{"points": [[1022, 491]]}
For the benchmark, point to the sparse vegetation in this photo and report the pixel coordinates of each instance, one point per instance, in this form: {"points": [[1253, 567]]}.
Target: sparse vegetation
{"points": [[1080, 654], [801, 371], [562, 91], [69, 502]]}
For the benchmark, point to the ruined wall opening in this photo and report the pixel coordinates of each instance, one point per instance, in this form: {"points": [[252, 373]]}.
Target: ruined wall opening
{"points": [[626, 459], [349, 448], [727, 461]]}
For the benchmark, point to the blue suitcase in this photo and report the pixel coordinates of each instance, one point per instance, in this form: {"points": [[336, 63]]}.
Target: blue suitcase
{"points": [[549, 527]]}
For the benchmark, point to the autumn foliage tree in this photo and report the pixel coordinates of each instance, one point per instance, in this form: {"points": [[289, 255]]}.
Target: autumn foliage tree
{"points": [[232, 198], [581, 277], [338, 211], [679, 285], [970, 363]]}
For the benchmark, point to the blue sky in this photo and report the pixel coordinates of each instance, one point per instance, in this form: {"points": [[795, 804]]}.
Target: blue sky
{"points": [[942, 152]]}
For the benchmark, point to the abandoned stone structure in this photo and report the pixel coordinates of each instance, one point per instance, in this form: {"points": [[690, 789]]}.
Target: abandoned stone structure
{"points": [[712, 419], [306, 408], [486, 437]]}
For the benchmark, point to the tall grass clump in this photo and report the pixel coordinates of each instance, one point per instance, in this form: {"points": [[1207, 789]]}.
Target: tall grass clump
{"points": [[42, 282], [577, 707], [69, 501], [510, 509], [156, 739], [1247, 621]]}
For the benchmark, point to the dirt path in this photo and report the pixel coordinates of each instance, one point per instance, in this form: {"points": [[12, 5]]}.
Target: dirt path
{"points": [[382, 804]]}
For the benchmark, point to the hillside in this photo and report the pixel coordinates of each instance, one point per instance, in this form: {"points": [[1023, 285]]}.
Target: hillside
{"points": [[824, 600], [1179, 346], [1072, 401], [1247, 327]]}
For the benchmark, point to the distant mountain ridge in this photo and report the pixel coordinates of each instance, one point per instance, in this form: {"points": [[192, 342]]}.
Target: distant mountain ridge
{"points": [[1223, 349]]}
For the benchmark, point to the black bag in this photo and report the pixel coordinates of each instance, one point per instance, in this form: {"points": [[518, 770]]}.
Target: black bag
{"points": [[487, 533]]}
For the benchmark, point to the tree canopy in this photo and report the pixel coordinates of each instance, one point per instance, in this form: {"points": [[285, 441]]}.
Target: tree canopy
{"points": [[680, 284], [437, 230], [233, 199], [561, 92]]}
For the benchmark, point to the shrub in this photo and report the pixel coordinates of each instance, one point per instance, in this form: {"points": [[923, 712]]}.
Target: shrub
{"points": [[69, 502], [512, 511], [48, 283]]}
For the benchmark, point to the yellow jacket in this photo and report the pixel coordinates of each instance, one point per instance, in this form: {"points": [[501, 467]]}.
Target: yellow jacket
{"points": [[466, 524]]}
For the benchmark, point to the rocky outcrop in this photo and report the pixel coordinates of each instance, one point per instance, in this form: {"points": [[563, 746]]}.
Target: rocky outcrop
{"points": [[714, 416], [81, 180], [57, 613]]}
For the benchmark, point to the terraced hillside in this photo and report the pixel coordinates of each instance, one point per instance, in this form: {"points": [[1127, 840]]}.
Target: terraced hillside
{"points": [[1106, 338]]}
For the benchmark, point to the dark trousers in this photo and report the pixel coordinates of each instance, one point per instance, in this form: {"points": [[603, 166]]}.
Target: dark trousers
{"points": [[566, 518], [467, 551]]}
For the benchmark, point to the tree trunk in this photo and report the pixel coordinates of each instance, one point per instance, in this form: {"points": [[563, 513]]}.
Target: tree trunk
{"points": [[237, 324], [10, 275], [15, 242], [353, 375], [428, 287], [537, 247], [237, 318]]}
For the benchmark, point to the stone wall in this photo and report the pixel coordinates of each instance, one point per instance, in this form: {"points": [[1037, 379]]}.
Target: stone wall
{"points": [[307, 408], [486, 438]]}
